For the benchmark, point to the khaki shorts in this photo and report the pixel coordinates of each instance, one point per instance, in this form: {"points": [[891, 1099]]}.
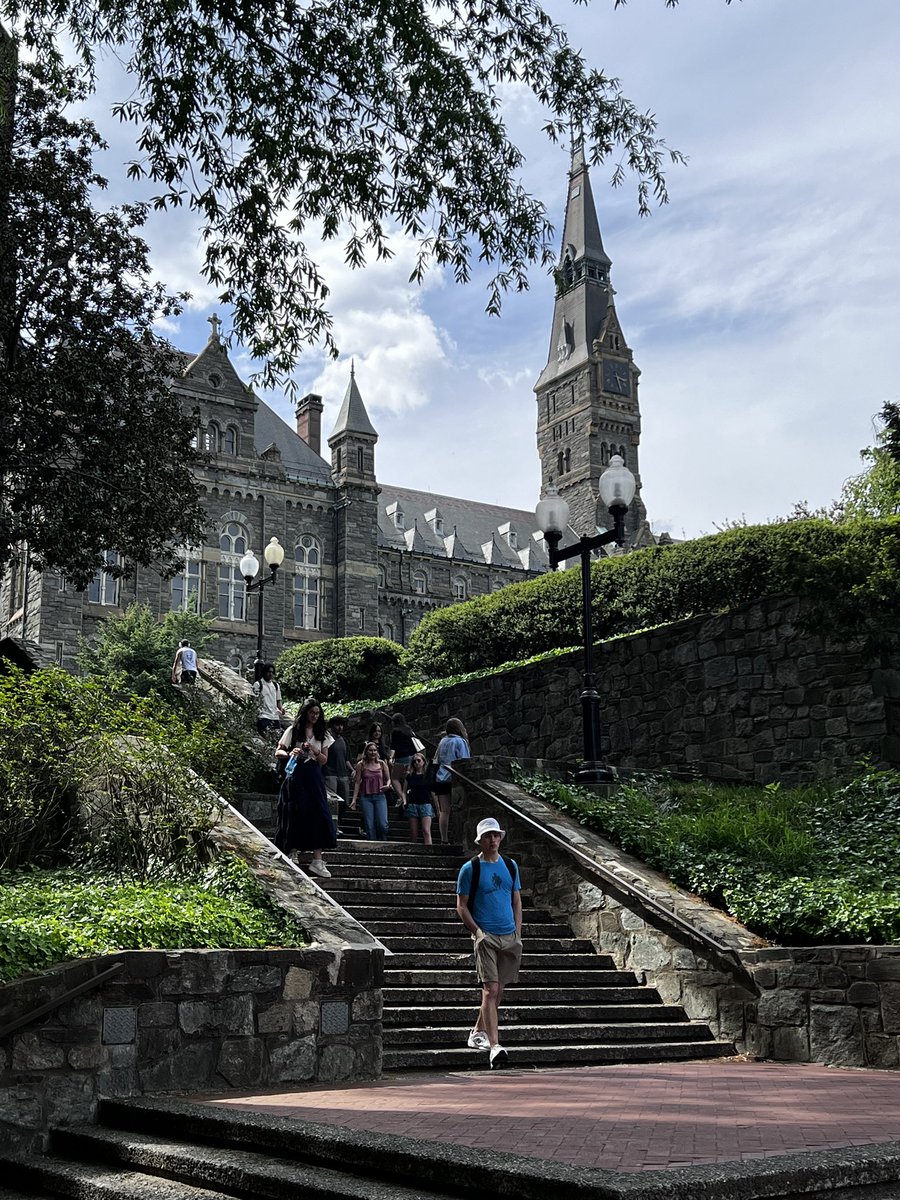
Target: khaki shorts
{"points": [[497, 957]]}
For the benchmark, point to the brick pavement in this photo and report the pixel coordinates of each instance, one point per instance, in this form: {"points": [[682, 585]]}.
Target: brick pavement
{"points": [[627, 1118]]}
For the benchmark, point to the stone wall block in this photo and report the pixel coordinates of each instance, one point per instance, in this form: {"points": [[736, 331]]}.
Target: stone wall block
{"points": [[798, 975], [777, 1008], [305, 1016], [881, 1051], [190, 1068], [631, 920], [835, 1036], [790, 1043], [234, 1015], [277, 1018], [157, 1013], [648, 953], [886, 968], [890, 1007], [336, 1062], [298, 984], [242, 1062], [34, 1052], [862, 993], [197, 1017], [293, 1061]]}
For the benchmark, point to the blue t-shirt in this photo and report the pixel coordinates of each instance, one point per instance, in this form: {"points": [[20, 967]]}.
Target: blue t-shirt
{"points": [[492, 910], [450, 748]]}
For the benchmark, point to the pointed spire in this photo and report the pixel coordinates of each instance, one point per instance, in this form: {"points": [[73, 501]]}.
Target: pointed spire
{"points": [[353, 417], [581, 231]]}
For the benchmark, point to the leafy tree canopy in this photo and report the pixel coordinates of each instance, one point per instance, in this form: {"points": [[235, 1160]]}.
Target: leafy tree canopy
{"points": [[95, 452], [876, 492], [279, 123]]}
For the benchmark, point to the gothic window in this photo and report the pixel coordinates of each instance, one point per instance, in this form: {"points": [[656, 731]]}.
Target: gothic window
{"points": [[195, 440], [459, 588], [560, 460], [338, 459], [104, 587], [382, 577], [568, 459], [232, 593], [229, 440], [186, 587], [359, 460], [621, 451], [388, 632], [211, 438], [604, 455], [420, 583], [307, 583]]}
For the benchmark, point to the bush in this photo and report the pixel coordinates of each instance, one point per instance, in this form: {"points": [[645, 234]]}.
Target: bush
{"points": [[52, 722], [47, 917], [341, 669], [134, 651], [815, 864], [849, 575]]}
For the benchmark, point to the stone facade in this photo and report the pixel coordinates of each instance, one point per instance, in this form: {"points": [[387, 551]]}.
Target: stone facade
{"points": [[186, 1021], [745, 695]]}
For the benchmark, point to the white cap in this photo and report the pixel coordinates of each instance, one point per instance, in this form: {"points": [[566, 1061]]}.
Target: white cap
{"points": [[488, 825]]}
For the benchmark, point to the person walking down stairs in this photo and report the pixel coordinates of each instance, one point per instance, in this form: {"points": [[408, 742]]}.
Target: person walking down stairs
{"points": [[370, 783], [304, 818], [489, 904]]}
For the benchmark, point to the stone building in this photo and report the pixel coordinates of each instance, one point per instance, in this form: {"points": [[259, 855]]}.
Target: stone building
{"points": [[362, 556]]}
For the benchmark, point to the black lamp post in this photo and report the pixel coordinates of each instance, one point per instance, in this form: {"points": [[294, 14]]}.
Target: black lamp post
{"points": [[249, 565], [616, 487]]}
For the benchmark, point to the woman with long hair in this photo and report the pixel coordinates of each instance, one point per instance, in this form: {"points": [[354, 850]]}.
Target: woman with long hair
{"points": [[403, 750], [304, 818], [452, 746], [419, 808], [370, 781]]}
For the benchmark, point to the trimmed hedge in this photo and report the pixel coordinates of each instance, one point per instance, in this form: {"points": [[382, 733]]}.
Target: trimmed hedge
{"points": [[341, 669], [849, 575]]}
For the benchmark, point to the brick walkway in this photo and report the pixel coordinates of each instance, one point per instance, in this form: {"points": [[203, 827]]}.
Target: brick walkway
{"points": [[627, 1118]]}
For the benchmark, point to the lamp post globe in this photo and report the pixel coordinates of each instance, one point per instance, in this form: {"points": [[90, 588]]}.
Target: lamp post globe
{"points": [[274, 553], [616, 485], [249, 565]]}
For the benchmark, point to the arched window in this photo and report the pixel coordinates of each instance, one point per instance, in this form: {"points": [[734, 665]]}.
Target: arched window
{"points": [[359, 459], [233, 541], [229, 440], [621, 451], [559, 463], [211, 439], [338, 460], [604, 455], [420, 583], [307, 583], [104, 587], [388, 632], [568, 459], [382, 577], [460, 588]]}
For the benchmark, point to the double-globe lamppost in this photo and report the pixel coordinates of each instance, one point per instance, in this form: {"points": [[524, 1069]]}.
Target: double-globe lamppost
{"points": [[616, 488], [248, 567]]}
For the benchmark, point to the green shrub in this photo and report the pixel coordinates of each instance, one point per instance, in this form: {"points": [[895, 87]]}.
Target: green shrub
{"points": [[341, 669], [815, 864], [849, 575], [51, 722], [135, 651], [47, 917]]}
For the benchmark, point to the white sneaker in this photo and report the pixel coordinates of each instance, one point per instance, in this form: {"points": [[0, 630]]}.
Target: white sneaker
{"points": [[317, 867], [478, 1040], [499, 1058]]}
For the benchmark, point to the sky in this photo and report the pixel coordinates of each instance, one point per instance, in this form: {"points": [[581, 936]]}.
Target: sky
{"points": [[762, 303]]}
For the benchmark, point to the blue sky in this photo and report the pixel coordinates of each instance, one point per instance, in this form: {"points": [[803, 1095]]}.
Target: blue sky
{"points": [[762, 304]]}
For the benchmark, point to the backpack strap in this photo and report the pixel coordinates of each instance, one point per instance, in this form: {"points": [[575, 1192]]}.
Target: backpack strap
{"points": [[476, 876], [512, 868]]}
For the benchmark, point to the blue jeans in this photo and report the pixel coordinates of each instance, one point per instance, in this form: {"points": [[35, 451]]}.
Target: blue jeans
{"points": [[375, 816]]}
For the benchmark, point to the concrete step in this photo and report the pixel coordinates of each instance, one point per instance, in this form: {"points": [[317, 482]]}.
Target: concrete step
{"points": [[15, 1194], [532, 1014], [556, 1035], [393, 850], [586, 964], [373, 890], [469, 994], [386, 912], [371, 870], [92, 1181], [222, 1170], [555, 1055], [459, 977], [403, 925]]}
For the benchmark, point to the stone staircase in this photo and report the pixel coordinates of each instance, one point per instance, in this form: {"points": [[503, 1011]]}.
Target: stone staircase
{"points": [[571, 1005]]}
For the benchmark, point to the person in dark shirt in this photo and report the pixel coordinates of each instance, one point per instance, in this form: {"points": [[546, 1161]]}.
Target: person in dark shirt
{"points": [[403, 750], [337, 768], [419, 807]]}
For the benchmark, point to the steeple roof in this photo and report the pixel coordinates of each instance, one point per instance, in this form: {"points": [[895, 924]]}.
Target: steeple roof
{"points": [[584, 292], [353, 417]]}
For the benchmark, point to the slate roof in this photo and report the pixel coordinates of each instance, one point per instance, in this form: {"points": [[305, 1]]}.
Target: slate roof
{"points": [[298, 459], [471, 530], [352, 417]]}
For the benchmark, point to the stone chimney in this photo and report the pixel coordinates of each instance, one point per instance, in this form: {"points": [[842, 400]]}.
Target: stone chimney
{"points": [[309, 421]]}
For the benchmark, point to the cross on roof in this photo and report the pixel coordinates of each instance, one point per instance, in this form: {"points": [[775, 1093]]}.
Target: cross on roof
{"points": [[216, 325]]}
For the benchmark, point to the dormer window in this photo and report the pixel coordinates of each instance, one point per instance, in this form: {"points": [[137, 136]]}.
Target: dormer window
{"points": [[509, 535], [395, 512], [436, 521]]}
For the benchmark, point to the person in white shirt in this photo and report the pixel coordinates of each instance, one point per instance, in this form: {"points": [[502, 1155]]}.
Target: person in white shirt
{"points": [[184, 668], [304, 818], [268, 695]]}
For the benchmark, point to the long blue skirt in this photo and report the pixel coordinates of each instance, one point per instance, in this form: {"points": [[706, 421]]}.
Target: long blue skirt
{"points": [[304, 819]]}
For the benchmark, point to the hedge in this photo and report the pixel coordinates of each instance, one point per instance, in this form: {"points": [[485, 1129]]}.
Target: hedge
{"points": [[341, 669], [849, 575]]}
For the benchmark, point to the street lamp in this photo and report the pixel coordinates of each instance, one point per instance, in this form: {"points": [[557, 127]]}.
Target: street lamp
{"points": [[616, 487], [249, 565]]}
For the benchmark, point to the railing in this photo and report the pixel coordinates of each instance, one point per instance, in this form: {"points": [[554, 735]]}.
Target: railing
{"points": [[610, 877], [63, 998]]}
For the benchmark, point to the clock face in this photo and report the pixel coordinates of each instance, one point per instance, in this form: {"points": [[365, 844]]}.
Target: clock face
{"points": [[616, 378]]}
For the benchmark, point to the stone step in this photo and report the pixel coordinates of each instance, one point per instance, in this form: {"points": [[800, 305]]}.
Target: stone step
{"points": [[402, 925], [448, 978], [587, 963], [220, 1169], [533, 1014], [372, 871], [392, 850], [548, 1056], [373, 890], [385, 912], [10, 1194], [540, 1035], [91, 1181], [469, 993]]}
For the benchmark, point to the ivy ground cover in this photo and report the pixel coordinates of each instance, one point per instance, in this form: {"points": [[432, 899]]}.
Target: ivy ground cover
{"points": [[804, 866]]}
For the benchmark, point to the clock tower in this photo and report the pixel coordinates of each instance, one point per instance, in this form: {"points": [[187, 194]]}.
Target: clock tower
{"points": [[587, 394]]}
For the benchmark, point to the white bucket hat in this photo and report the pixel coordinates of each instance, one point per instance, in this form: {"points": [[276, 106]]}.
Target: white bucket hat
{"points": [[488, 825]]}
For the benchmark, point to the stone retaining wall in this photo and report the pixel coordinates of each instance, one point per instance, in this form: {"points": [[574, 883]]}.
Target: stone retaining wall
{"points": [[740, 695], [186, 1021]]}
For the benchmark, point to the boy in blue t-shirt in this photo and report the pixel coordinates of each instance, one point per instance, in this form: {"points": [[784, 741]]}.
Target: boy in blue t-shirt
{"points": [[495, 923]]}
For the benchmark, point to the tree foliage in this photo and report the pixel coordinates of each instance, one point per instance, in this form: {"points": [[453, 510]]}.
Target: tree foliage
{"points": [[96, 451], [876, 492], [279, 124], [341, 668]]}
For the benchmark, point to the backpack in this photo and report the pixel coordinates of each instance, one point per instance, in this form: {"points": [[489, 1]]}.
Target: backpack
{"points": [[476, 874]]}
